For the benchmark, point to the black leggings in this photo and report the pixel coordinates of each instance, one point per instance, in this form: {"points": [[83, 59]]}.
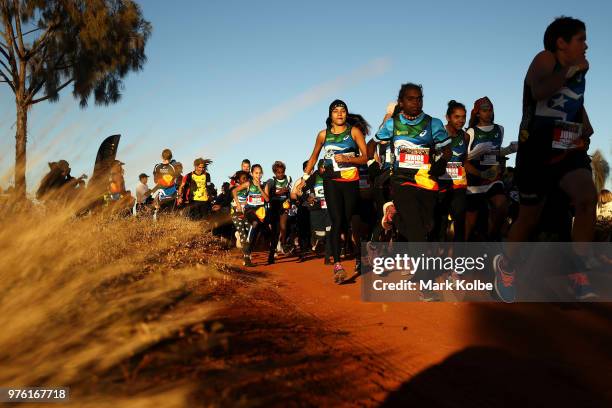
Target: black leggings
{"points": [[277, 219], [451, 202], [415, 211], [342, 199], [256, 226]]}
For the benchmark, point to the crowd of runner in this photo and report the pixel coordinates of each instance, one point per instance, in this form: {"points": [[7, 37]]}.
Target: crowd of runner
{"points": [[417, 179]]}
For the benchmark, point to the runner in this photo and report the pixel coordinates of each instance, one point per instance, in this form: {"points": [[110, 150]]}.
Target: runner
{"points": [[484, 170], [379, 170], [238, 219], [415, 138], [554, 139], [345, 149], [245, 166], [278, 188], [452, 184], [365, 217], [303, 216], [254, 210], [194, 190], [320, 223], [164, 177]]}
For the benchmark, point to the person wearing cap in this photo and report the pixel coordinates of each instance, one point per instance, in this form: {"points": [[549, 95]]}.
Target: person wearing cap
{"points": [[484, 168], [143, 192], [345, 149]]}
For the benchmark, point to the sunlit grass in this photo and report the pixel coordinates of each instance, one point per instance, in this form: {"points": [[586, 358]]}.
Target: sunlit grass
{"points": [[79, 296]]}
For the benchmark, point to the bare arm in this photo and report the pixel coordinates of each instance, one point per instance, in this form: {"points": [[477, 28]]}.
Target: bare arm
{"points": [[542, 77], [235, 191], [264, 191], [315, 152]]}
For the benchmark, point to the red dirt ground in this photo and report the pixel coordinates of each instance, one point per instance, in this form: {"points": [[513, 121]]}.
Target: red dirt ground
{"points": [[454, 354]]}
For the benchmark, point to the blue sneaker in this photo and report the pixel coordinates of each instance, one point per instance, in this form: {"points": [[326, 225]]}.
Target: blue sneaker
{"points": [[504, 279], [581, 286]]}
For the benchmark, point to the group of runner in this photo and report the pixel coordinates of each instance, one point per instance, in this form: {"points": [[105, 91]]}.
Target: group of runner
{"points": [[419, 179]]}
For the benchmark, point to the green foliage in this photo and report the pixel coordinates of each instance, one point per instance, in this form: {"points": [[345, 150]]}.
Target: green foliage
{"points": [[91, 44]]}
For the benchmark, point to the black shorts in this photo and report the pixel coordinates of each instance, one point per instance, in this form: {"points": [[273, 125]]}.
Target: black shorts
{"points": [[536, 178], [478, 201]]}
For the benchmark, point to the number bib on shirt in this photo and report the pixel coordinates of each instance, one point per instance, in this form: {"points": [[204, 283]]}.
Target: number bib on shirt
{"points": [[454, 171], [565, 134], [255, 200], [343, 166], [490, 159], [413, 158]]}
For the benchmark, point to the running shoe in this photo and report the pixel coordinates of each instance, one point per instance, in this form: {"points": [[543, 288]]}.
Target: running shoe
{"points": [[247, 261], [504, 279], [388, 214], [271, 258], [279, 249], [339, 274], [581, 286]]}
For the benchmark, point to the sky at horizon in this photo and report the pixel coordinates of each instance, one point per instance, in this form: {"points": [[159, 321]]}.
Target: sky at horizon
{"points": [[233, 80]]}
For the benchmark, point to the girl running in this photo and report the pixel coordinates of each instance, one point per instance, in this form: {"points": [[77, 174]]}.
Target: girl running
{"points": [[254, 209], [278, 188], [345, 150], [240, 223], [453, 183], [484, 169]]}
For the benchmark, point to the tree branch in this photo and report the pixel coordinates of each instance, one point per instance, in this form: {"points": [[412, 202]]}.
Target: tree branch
{"points": [[17, 6], [38, 44], [10, 83], [10, 38], [33, 90], [31, 31], [5, 66], [44, 98]]}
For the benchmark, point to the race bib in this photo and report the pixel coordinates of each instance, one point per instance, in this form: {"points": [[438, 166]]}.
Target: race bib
{"points": [[319, 192], [490, 159], [413, 158], [255, 200], [454, 171], [342, 166], [565, 135]]}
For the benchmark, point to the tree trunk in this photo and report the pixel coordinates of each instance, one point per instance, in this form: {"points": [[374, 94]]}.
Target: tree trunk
{"points": [[20, 150]]}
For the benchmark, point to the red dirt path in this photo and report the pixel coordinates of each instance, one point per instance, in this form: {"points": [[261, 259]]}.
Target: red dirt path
{"points": [[456, 354]]}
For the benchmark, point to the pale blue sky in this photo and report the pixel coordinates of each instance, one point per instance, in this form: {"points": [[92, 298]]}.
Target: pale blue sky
{"points": [[235, 79]]}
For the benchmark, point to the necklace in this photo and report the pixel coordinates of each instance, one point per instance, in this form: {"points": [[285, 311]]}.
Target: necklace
{"points": [[411, 117]]}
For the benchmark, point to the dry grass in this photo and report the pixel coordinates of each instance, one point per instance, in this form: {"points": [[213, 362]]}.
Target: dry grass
{"points": [[80, 296]]}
